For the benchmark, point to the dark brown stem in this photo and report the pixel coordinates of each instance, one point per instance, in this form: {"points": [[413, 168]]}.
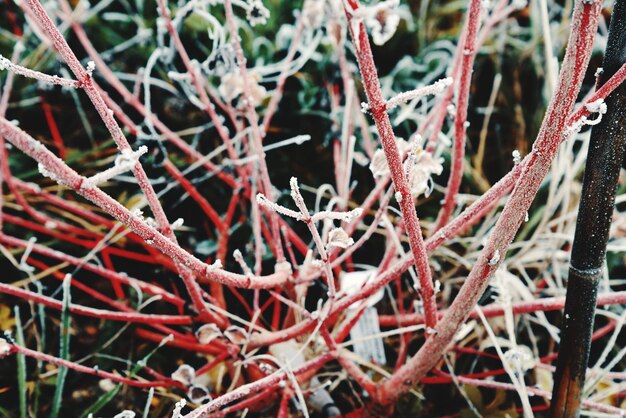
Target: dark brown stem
{"points": [[606, 151]]}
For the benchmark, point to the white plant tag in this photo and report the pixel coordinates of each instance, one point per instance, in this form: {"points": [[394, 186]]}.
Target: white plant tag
{"points": [[364, 346], [351, 283]]}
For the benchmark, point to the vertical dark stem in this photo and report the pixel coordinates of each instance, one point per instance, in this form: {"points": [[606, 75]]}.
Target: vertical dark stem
{"points": [[604, 160]]}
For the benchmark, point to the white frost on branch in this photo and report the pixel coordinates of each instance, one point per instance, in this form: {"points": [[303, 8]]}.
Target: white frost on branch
{"points": [[91, 66], [176, 413], [436, 88], [6, 64], [495, 258], [124, 162], [597, 106], [304, 215]]}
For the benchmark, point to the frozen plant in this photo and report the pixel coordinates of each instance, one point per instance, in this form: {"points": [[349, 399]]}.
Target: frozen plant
{"points": [[337, 193]]}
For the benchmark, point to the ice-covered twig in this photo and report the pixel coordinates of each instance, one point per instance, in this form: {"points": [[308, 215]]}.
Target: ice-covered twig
{"points": [[124, 162], [6, 64], [435, 88]]}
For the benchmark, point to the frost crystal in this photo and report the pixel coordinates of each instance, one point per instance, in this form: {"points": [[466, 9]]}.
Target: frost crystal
{"points": [[176, 413], [517, 157], [436, 88], [4, 63], [283, 266], [597, 106], [496, 257], [437, 286], [91, 66], [46, 173], [178, 223], [106, 385], [256, 12]]}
